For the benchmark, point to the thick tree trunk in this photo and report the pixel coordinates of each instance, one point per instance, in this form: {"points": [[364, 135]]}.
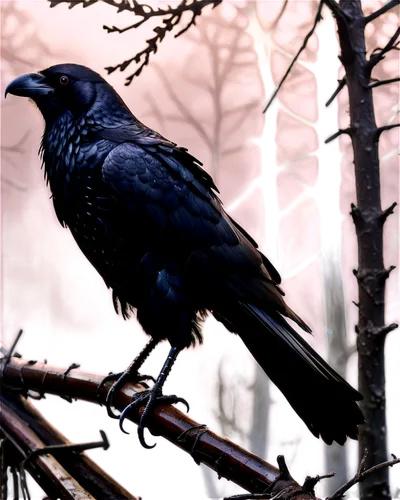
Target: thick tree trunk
{"points": [[371, 274]]}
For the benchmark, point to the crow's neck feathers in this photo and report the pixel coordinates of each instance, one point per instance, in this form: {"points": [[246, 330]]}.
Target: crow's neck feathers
{"points": [[68, 144]]}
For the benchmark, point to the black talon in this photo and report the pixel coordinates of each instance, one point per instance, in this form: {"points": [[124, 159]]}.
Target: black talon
{"points": [[154, 397], [121, 379], [130, 374]]}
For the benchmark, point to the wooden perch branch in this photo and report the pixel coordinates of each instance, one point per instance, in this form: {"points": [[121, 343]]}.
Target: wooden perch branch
{"points": [[223, 456], [229, 460]]}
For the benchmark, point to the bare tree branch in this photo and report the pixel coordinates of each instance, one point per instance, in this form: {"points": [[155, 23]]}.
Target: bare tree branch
{"points": [[171, 17], [360, 476], [279, 16], [378, 83], [382, 10], [184, 110], [35, 434], [346, 131], [378, 54], [379, 130], [317, 19], [341, 85], [233, 150]]}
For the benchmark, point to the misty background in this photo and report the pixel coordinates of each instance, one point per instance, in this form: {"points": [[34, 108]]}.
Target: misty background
{"points": [[206, 91]]}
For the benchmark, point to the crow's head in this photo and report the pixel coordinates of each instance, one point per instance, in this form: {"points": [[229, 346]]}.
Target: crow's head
{"points": [[62, 87]]}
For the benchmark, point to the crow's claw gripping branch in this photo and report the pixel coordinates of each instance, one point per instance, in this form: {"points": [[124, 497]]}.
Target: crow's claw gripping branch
{"points": [[120, 379], [131, 374], [154, 397]]}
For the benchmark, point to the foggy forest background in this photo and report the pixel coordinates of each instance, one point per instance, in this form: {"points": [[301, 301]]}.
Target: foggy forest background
{"points": [[206, 91]]}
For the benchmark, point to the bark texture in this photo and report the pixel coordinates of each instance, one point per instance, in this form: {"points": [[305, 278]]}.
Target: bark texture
{"points": [[369, 220]]}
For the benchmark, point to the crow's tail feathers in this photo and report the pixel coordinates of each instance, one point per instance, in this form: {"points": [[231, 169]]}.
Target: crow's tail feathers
{"points": [[320, 396]]}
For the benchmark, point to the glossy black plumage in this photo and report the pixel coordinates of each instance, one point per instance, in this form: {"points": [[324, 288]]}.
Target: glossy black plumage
{"points": [[148, 218]]}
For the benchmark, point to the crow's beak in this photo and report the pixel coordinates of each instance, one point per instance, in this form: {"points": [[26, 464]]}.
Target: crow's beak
{"points": [[30, 85]]}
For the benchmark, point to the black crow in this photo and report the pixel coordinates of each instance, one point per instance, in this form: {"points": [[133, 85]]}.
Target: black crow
{"points": [[149, 219]]}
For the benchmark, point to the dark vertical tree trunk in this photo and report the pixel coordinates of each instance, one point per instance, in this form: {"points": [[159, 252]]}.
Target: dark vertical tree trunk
{"points": [[338, 354], [371, 274]]}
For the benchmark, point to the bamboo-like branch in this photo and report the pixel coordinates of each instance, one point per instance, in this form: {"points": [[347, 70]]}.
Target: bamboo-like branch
{"points": [[220, 454], [388, 6]]}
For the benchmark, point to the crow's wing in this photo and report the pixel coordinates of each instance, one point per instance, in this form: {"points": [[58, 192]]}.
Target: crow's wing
{"points": [[167, 190]]}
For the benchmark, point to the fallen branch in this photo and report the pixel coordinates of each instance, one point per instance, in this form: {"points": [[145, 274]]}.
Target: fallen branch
{"points": [[29, 430], [48, 472]]}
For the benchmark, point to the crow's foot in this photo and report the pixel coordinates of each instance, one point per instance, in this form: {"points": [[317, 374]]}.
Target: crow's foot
{"points": [[152, 397], [120, 380]]}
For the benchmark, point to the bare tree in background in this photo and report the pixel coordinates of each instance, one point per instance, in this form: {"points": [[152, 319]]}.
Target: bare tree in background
{"points": [[226, 48], [368, 218]]}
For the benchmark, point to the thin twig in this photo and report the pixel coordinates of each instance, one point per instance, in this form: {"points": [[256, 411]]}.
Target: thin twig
{"points": [[378, 54], [386, 127], [171, 18], [383, 82], [360, 476], [317, 19], [382, 10], [342, 83], [279, 16], [337, 134]]}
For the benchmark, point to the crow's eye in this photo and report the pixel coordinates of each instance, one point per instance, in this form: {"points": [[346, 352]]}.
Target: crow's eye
{"points": [[64, 80]]}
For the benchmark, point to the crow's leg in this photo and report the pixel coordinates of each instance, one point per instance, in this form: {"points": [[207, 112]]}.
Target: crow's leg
{"points": [[153, 397], [130, 374]]}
